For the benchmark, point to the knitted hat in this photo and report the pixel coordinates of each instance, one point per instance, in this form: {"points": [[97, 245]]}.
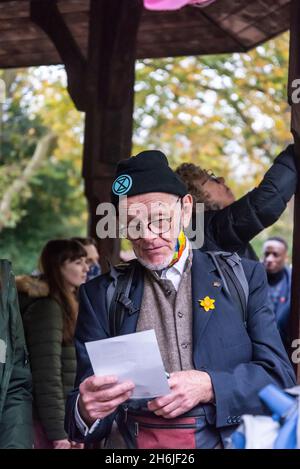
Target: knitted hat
{"points": [[149, 171]]}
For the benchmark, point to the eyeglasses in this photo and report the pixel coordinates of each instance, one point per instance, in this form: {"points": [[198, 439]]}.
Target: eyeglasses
{"points": [[210, 176], [135, 229]]}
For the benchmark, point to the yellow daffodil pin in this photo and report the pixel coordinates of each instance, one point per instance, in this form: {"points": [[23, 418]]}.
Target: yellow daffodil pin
{"points": [[207, 303]]}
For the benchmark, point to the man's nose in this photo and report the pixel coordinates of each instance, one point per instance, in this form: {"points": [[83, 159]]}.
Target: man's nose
{"points": [[269, 259]]}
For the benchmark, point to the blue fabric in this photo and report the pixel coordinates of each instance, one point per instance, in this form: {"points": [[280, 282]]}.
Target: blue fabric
{"points": [[282, 304], [284, 408], [240, 362], [94, 271]]}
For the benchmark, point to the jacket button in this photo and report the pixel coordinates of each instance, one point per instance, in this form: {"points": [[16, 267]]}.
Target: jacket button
{"points": [[184, 346], [180, 315]]}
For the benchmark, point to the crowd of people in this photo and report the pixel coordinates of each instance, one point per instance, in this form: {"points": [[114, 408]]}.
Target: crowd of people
{"points": [[216, 359]]}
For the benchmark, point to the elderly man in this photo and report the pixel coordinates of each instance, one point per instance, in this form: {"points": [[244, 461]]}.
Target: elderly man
{"points": [[216, 364]]}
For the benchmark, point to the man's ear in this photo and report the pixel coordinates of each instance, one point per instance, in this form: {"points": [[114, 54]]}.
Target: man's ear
{"points": [[287, 258], [187, 209]]}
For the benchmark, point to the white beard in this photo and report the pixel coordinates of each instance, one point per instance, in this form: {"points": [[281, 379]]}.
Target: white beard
{"points": [[162, 266], [150, 266]]}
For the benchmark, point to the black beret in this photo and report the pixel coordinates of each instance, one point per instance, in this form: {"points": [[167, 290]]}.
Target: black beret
{"points": [[149, 171]]}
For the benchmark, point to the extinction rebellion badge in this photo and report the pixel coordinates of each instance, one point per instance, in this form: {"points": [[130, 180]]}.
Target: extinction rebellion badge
{"points": [[122, 184]]}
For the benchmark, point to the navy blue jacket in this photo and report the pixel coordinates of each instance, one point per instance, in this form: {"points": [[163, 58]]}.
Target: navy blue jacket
{"points": [[283, 308], [240, 362]]}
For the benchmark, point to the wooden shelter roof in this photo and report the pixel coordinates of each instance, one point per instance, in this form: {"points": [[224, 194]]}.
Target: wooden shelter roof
{"points": [[223, 26]]}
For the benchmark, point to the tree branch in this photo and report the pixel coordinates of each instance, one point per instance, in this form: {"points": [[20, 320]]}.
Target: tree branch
{"points": [[42, 150]]}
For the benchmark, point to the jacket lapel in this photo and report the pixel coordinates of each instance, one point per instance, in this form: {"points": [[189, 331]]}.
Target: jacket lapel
{"points": [[100, 302], [205, 282], [96, 293]]}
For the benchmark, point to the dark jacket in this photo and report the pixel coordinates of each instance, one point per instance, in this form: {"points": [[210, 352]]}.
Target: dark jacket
{"points": [[231, 228], [53, 364], [239, 361], [15, 377], [283, 307]]}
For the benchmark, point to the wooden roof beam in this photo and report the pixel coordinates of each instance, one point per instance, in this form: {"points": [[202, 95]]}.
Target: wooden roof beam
{"points": [[48, 17]]}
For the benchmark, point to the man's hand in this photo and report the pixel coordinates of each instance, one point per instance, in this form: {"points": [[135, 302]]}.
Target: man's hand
{"points": [[61, 444], [100, 396], [76, 445], [66, 444], [188, 388]]}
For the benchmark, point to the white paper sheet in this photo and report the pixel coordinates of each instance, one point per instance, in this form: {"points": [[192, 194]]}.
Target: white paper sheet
{"points": [[132, 356]]}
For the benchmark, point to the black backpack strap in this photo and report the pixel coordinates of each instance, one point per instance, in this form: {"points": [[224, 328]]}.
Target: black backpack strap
{"points": [[214, 256], [117, 296], [235, 262], [232, 274]]}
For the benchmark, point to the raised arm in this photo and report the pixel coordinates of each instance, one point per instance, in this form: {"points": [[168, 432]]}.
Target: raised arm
{"points": [[237, 224]]}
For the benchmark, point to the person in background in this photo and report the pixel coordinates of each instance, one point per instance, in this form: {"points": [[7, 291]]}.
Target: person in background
{"points": [[49, 309], [231, 224], [15, 378], [93, 258], [275, 258]]}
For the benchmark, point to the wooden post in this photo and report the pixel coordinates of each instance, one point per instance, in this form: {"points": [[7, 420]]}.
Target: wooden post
{"points": [[109, 102], [294, 74], [103, 86]]}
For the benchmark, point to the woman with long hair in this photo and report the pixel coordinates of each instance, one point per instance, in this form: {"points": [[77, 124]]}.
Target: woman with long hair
{"points": [[49, 308]]}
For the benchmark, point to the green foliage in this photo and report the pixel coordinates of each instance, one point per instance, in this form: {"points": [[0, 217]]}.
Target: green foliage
{"points": [[217, 111], [52, 203], [54, 210], [20, 134], [227, 113]]}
